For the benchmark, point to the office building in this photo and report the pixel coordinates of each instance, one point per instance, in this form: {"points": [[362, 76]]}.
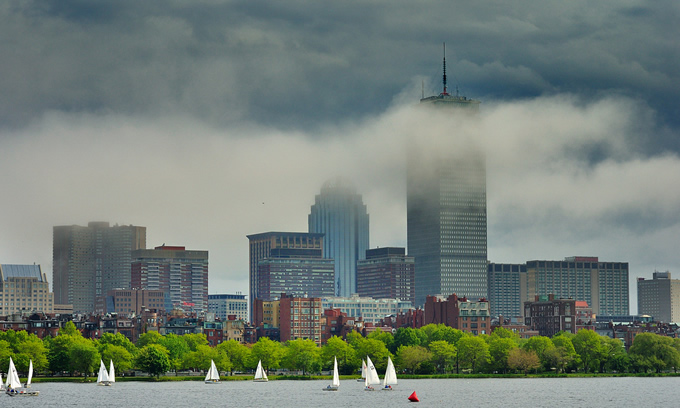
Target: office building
{"points": [[339, 213], [283, 244], [24, 289], [90, 261], [603, 285], [659, 297], [368, 309], [181, 274], [446, 206], [134, 301], [387, 273], [504, 287], [227, 304]]}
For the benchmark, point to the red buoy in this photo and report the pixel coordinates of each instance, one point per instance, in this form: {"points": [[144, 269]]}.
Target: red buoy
{"points": [[413, 397]]}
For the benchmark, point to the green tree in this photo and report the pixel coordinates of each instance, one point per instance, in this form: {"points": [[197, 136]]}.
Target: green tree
{"points": [[153, 359], [302, 355], [375, 349], [386, 337], [70, 329], [436, 332], [652, 351], [200, 359], [34, 350], [150, 337], [348, 362], [499, 350], [473, 352], [118, 339], [121, 357], [195, 339], [503, 333], [540, 345], [405, 336], [83, 357], [443, 355], [268, 351], [412, 357], [58, 353], [239, 354], [588, 346], [523, 360], [177, 350]]}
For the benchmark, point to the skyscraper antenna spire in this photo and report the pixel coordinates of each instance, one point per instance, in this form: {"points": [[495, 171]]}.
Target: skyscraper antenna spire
{"points": [[444, 77]]}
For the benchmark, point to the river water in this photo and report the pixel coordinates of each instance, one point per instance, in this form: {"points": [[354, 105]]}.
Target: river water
{"points": [[487, 393]]}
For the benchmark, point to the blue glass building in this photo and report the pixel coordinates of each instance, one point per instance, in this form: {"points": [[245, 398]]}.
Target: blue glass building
{"points": [[340, 214]]}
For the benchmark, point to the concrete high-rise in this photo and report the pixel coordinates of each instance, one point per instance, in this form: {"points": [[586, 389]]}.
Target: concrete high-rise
{"points": [[659, 297], [90, 261], [340, 214], [283, 244], [24, 289], [386, 273], [505, 283], [181, 274], [446, 207]]}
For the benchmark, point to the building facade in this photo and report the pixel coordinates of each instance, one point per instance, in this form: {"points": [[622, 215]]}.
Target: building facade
{"points": [[604, 285], [24, 289], [368, 309], [504, 287], [133, 301], [549, 315], [446, 206], [90, 261], [300, 318], [468, 316], [224, 305], [295, 276], [387, 273], [261, 246], [659, 297], [181, 274], [340, 214]]}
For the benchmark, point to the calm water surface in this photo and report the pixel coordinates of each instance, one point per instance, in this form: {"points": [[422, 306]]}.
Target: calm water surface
{"points": [[487, 393]]}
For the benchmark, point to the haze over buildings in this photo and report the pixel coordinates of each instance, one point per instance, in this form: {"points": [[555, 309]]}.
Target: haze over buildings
{"points": [[208, 121]]}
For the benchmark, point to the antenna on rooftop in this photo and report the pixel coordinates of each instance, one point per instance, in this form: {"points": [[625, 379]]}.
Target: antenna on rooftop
{"points": [[444, 76]]}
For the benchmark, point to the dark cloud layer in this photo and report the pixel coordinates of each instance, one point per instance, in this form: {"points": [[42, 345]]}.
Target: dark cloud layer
{"points": [[208, 120], [299, 64]]}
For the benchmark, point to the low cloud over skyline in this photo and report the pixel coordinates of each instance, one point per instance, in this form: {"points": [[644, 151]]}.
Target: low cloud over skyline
{"points": [[207, 121]]}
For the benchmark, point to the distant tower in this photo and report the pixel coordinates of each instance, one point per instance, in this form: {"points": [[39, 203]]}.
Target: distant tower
{"points": [[446, 209], [340, 214]]}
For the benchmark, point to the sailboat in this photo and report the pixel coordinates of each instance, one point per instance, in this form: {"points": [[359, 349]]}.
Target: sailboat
{"points": [[363, 371], [112, 373], [371, 376], [336, 378], [103, 376], [390, 376], [213, 376], [30, 375], [13, 384], [260, 374]]}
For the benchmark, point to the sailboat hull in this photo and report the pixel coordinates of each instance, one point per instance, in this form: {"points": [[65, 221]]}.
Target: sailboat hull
{"points": [[329, 388], [212, 381]]}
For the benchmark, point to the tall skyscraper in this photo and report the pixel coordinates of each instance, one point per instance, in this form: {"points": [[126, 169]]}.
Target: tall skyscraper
{"points": [[340, 214], [90, 261], [504, 288], [284, 244], [446, 206], [659, 297], [179, 273]]}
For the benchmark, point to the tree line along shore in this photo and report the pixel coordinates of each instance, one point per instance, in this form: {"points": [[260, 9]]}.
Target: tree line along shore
{"points": [[433, 351]]}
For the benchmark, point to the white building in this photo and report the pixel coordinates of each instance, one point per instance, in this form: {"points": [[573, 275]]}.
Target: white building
{"points": [[24, 288], [224, 305], [369, 309]]}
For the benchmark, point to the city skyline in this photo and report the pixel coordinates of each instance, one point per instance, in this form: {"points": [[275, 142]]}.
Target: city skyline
{"points": [[206, 122]]}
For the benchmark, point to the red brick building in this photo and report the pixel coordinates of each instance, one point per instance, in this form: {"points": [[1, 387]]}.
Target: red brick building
{"points": [[459, 313], [300, 318]]}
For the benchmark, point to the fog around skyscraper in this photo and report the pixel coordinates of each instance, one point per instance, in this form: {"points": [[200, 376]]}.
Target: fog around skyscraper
{"points": [[206, 121]]}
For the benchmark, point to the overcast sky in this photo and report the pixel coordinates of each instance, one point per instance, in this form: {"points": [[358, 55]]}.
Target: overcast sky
{"points": [[205, 121]]}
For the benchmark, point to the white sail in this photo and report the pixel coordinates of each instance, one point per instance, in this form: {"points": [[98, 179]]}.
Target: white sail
{"points": [[213, 375], [112, 372], [363, 369], [12, 376], [336, 377], [30, 374], [371, 373], [260, 374], [390, 374], [103, 376]]}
